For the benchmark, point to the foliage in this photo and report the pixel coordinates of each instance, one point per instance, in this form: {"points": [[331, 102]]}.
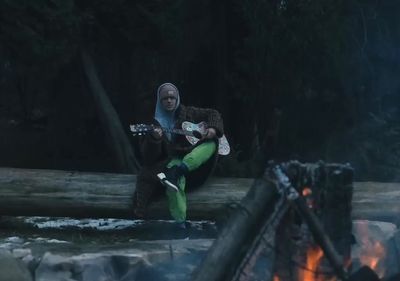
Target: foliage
{"points": [[37, 33], [326, 66], [37, 39], [373, 148]]}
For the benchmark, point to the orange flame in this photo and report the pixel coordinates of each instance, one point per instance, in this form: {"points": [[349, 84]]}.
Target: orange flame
{"points": [[306, 191], [314, 255], [372, 251], [276, 278], [371, 254]]}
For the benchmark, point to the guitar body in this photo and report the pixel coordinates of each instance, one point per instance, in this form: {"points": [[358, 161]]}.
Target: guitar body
{"points": [[187, 129], [223, 145]]}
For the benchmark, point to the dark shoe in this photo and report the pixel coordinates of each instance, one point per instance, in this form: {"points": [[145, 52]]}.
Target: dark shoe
{"points": [[181, 225], [182, 231], [171, 176]]}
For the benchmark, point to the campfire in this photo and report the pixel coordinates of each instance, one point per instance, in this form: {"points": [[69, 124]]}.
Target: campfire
{"points": [[370, 254], [299, 227], [329, 201]]}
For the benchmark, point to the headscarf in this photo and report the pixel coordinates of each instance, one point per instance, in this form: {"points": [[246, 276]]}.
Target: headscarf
{"points": [[166, 118]]}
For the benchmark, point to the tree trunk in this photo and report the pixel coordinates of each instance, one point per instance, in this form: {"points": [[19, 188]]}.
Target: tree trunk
{"points": [[111, 123], [104, 195]]}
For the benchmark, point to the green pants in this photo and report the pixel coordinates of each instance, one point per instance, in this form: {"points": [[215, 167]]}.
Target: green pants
{"points": [[193, 160]]}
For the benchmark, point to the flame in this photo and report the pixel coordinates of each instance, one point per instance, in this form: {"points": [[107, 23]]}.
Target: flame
{"points": [[306, 191], [372, 251], [314, 255], [310, 271]]}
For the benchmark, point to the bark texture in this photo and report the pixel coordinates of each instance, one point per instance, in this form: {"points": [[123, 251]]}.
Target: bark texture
{"points": [[82, 194]]}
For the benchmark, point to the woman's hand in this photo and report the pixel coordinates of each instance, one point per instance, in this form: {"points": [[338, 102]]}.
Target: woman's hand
{"points": [[157, 133]]}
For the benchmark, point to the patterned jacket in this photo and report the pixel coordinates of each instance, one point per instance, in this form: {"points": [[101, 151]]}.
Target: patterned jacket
{"points": [[157, 152], [154, 150]]}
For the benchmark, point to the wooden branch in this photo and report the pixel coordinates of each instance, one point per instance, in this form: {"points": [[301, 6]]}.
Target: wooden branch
{"points": [[25, 192], [236, 236]]}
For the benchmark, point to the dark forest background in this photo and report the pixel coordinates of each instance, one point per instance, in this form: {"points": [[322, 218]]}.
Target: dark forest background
{"points": [[307, 79]]}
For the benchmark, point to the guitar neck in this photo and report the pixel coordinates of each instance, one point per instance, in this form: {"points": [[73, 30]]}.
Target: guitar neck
{"points": [[178, 132]]}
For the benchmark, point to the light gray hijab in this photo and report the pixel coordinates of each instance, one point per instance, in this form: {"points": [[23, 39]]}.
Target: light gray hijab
{"points": [[166, 118]]}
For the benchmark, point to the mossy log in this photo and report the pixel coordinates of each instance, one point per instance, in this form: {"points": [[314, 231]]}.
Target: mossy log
{"points": [[34, 192]]}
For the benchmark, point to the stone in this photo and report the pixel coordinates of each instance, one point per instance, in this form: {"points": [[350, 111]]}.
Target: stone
{"points": [[392, 257], [54, 267], [139, 260], [12, 269], [20, 253]]}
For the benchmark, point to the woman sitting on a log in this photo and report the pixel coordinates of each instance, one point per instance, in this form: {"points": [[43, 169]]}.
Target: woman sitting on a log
{"points": [[171, 163]]}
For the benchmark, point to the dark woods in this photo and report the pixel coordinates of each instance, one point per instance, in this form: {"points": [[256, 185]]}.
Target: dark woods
{"points": [[308, 80]]}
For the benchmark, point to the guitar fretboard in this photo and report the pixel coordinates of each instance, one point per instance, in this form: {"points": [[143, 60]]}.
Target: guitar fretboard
{"points": [[178, 131]]}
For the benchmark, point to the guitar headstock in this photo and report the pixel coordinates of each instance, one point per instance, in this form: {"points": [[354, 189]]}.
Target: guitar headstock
{"points": [[141, 129]]}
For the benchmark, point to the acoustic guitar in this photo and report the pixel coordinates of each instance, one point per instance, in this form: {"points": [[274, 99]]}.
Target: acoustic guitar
{"points": [[193, 132]]}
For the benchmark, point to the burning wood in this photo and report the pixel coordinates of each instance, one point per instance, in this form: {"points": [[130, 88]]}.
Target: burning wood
{"points": [[310, 273], [371, 250], [327, 187], [373, 253]]}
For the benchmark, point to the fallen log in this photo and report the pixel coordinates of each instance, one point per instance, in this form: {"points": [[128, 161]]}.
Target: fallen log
{"points": [[377, 201], [34, 192]]}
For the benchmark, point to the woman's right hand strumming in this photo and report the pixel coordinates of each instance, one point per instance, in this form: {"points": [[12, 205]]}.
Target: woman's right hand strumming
{"points": [[157, 133]]}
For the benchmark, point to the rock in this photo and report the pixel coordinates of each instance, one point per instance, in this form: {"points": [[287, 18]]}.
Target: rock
{"points": [[392, 258], [12, 269], [95, 266], [15, 239], [54, 267], [20, 253], [7, 246], [141, 260], [377, 230], [31, 262]]}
